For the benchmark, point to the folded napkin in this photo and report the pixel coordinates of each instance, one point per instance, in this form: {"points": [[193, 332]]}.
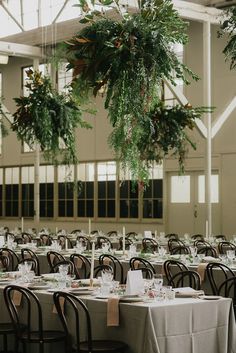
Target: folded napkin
{"points": [[188, 293], [62, 302], [210, 259], [201, 269], [113, 311]]}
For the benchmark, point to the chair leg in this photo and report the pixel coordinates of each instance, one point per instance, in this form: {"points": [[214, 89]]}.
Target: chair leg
{"points": [[5, 348]]}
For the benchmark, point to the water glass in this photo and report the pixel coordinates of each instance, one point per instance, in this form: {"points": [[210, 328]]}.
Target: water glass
{"points": [[158, 281], [105, 247], [107, 276], [193, 251]]}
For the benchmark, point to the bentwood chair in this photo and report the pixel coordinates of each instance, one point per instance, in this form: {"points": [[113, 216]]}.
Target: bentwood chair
{"points": [[149, 244], [180, 249], [146, 272], [186, 279], [27, 254], [84, 241], [45, 240], [218, 273], [62, 239], [54, 257], [4, 263], [107, 259], [13, 257], [29, 330], [172, 236], [228, 289], [207, 251], [197, 237], [137, 262], [101, 240], [171, 267], [27, 238], [220, 237], [128, 242], [223, 246], [82, 265], [80, 313], [173, 243], [71, 267], [112, 233]]}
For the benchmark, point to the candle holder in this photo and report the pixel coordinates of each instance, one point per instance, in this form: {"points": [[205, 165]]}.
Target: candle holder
{"points": [[92, 239]]}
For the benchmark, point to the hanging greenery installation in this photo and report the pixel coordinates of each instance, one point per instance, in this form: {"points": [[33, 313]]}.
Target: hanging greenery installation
{"points": [[131, 56], [48, 118]]}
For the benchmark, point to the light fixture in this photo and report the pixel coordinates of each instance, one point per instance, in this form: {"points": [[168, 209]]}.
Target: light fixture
{"points": [[4, 59]]}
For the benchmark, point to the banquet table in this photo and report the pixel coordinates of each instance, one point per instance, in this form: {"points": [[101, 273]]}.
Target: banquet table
{"points": [[182, 325]]}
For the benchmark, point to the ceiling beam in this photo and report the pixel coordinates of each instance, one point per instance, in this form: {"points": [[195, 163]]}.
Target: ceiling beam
{"points": [[21, 50], [59, 13]]}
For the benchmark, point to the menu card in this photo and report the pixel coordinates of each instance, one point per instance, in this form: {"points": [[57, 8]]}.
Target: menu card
{"points": [[147, 234], [135, 283]]}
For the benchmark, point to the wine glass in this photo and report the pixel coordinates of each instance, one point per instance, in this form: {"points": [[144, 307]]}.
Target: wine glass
{"points": [[158, 281]]}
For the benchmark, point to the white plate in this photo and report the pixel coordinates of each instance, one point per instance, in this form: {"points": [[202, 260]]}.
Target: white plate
{"points": [[130, 299], [210, 297], [49, 275], [80, 291], [102, 296]]}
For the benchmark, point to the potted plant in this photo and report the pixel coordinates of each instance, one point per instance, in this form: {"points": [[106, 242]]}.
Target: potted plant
{"points": [[130, 57], [48, 118]]}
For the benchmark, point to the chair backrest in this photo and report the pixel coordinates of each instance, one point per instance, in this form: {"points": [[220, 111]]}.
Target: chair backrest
{"points": [[149, 244], [112, 233], [27, 238], [34, 264], [4, 263], [62, 239], [98, 270], [197, 237], [75, 231], [207, 251], [173, 243], [53, 257], [136, 262], [228, 289], [85, 241], [32, 305], [199, 243], [171, 267], [146, 272], [131, 235], [118, 271], [180, 249], [220, 237], [13, 257], [128, 242], [27, 254], [101, 240], [223, 246], [218, 273], [82, 265], [77, 309], [186, 278], [172, 236], [71, 267], [45, 240]]}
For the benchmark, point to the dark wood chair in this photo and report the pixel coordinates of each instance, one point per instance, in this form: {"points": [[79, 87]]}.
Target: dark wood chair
{"points": [[197, 237], [131, 235], [45, 240], [146, 272], [128, 242], [30, 334], [101, 240], [149, 245], [218, 273], [27, 237], [71, 267], [85, 241], [172, 236], [4, 263], [112, 233], [207, 251], [220, 237], [118, 271], [171, 267], [54, 257], [180, 249], [173, 243], [63, 239], [186, 278], [13, 257], [228, 289], [223, 246], [75, 231], [28, 253], [82, 265], [75, 305], [98, 270], [137, 262]]}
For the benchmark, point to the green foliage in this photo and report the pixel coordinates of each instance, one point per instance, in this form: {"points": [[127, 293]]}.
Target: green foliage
{"points": [[131, 57], [228, 28], [47, 117]]}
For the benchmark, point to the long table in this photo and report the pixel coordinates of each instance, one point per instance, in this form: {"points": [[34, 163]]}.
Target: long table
{"points": [[183, 325]]}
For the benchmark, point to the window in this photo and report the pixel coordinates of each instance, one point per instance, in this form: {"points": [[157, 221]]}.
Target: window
{"points": [[27, 187], [153, 194], [65, 191], [214, 188], [129, 197], [85, 201], [12, 192], [106, 173], [180, 189], [46, 178]]}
